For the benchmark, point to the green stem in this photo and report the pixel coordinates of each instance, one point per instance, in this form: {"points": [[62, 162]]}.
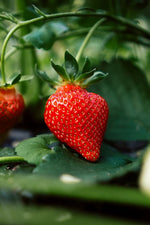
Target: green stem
{"points": [[11, 159], [120, 20], [13, 19], [4, 50], [87, 38], [25, 57]]}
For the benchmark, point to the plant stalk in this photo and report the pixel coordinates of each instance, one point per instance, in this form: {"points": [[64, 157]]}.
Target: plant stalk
{"points": [[4, 50], [11, 159], [87, 38]]}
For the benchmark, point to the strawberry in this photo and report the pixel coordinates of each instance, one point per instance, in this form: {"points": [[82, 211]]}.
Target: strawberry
{"points": [[77, 117], [11, 108]]}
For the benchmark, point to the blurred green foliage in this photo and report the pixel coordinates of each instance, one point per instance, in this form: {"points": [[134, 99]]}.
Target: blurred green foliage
{"points": [[119, 46]]}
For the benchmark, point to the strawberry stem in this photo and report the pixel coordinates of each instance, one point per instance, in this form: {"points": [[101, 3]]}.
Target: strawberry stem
{"points": [[87, 38], [11, 159], [4, 50]]}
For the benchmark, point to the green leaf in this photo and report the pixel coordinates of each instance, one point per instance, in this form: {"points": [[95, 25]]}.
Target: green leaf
{"points": [[53, 214], [60, 70], [54, 160], [35, 150], [122, 127], [42, 37], [8, 156], [38, 11], [84, 76], [45, 36], [8, 16], [111, 165], [97, 76], [71, 65], [43, 75], [15, 78], [26, 78], [86, 66], [44, 186], [7, 152], [127, 93], [58, 27]]}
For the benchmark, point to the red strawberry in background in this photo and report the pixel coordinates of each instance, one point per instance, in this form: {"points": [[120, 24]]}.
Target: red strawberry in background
{"points": [[77, 117], [11, 108]]}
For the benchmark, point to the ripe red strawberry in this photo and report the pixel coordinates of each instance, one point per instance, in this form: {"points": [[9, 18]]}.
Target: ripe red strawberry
{"points": [[77, 117], [11, 108]]}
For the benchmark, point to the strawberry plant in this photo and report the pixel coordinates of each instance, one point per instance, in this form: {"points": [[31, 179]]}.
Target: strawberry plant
{"points": [[69, 112], [77, 148]]}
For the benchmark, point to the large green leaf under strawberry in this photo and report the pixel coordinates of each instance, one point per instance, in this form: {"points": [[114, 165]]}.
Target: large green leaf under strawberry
{"points": [[77, 117]]}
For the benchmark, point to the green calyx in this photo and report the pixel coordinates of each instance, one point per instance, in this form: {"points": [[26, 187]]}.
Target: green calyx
{"points": [[15, 78], [70, 74]]}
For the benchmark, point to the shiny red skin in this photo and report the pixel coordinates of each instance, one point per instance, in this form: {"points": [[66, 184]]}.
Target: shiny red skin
{"points": [[11, 108], [78, 118]]}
